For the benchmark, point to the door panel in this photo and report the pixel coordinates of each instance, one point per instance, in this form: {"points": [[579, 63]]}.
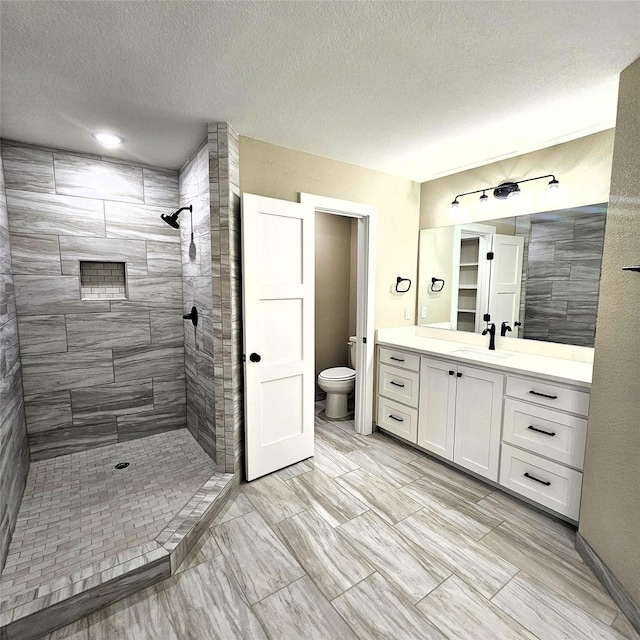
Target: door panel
{"points": [[506, 280], [278, 291], [478, 418], [437, 407]]}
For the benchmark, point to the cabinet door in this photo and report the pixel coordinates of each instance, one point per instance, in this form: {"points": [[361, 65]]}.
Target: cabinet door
{"points": [[478, 418], [437, 406]]}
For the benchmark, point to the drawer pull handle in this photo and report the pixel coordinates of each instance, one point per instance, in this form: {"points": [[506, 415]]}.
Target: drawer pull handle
{"points": [[543, 395], [395, 418], [546, 433], [395, 384], [396, 359], [546, 484]]}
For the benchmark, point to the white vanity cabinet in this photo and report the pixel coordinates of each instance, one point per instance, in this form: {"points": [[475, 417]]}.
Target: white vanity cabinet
{"points": [[460, 414], [543, 442]]}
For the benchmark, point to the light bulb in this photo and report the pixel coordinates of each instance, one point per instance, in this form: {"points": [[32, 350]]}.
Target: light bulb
{"points": [[455, 204], [554, 184]]}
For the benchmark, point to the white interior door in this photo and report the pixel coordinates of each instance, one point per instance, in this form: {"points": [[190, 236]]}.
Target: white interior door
{"points": [[278, 291], [506, 281]]}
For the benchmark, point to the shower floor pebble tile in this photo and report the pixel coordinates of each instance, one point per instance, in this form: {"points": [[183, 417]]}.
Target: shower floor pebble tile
{"points": [[78, 509]]}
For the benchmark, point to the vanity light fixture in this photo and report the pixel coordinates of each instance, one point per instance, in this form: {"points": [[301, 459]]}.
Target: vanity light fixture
{"points": [[505, 190], [108, 139]]}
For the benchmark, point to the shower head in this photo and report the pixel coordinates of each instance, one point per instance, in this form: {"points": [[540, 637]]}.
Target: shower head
{"points": [[172, 219]]}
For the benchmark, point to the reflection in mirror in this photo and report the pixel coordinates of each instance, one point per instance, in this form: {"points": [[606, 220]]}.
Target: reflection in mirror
{"points": [[539, 274]]}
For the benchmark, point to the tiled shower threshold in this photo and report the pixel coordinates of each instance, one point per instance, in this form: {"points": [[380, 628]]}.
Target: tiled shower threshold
{"points": [[31, 612]]}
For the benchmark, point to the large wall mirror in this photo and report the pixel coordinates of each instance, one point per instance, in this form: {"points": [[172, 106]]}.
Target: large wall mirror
{"points": [[537, 276]]}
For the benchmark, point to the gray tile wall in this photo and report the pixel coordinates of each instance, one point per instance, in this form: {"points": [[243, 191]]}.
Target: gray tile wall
{"points": [[563, 276], [95, 371], [212, 282], [14, 450]]}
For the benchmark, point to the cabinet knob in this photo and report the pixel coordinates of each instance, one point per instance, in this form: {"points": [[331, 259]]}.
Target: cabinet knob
{"points": [[451, 373], [459, 375]]}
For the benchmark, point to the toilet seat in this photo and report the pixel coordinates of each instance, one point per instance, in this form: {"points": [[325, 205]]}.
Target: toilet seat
{"points": [[338, 373]]}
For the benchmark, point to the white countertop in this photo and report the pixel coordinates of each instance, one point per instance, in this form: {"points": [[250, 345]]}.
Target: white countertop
{"points": [[475, 350]]}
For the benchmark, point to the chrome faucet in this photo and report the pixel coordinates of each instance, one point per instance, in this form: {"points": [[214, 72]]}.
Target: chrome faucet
{"points": [[491, 330], [504, 327]]}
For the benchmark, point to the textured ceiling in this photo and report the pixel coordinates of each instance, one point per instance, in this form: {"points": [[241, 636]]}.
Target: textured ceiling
{"points": [[419, 89]]}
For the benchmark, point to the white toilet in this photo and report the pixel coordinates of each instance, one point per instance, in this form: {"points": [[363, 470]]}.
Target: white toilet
{"points": [[339, 382]]}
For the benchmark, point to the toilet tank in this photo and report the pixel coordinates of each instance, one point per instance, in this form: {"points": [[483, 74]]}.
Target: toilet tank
{"points": [[352, 351]]}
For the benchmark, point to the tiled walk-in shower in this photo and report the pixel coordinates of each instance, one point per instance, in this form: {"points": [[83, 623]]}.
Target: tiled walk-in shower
{"points": [[78, 509]]}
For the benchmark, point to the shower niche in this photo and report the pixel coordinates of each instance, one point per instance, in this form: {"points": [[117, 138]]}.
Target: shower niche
{"points": [[103, 280]]}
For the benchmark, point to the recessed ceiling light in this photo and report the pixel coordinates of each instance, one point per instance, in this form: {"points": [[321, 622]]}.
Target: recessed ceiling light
{"points": [[108, 139]]}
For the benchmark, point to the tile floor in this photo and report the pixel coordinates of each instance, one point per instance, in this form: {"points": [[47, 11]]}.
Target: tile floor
{"points": [[77, 509], [371, 539]]}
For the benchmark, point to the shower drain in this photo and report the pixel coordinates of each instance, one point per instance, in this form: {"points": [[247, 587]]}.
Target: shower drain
{"points": [[122, 465]]}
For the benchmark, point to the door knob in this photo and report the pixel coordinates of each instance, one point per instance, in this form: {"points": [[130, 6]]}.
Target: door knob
{"points": [[254, 357]]}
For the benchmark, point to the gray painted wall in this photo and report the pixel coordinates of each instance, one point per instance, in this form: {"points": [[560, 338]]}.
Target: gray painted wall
{"points": [[103, 371], [14, 450]]}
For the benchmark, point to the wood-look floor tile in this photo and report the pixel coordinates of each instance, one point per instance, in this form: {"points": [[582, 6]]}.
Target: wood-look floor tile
{"points": [[324, 495], [551, 570], [331, 462], [466, 516], [378, 461], [465, 485], [205, 602], [295, 470], [412, 569], [299, 611], [623, 626], [337, 438], [462, 613], [273, 498], [78, 630], [259, 561], [379, 495], [549, 615], [333, 564], [142, 616], [206, 548], [235, 507], [375, 610], [392, 447], [485, 570]]}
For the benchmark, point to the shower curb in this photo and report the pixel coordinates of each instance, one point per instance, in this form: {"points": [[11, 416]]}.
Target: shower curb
{"points": [[54, 604]]}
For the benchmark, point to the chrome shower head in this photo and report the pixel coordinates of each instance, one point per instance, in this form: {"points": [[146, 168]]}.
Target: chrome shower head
{"points": [[172, 219]]}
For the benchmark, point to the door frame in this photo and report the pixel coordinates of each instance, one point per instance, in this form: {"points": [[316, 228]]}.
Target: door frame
{"points": [[365, 215]]}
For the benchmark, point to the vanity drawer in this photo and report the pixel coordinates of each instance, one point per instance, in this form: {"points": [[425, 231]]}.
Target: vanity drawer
{"points": [[398, 384], [398, 419], [549, 433], [549, 395], [399, 359], [548, 483]]}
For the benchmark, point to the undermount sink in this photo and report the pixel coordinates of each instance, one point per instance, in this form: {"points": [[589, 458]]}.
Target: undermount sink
{"points": [[481, 353]]}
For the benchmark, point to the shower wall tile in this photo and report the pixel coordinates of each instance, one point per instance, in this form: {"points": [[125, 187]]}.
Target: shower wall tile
{"points": [[586, 270], [167, 328], [46, 411], [42, 334], [81, 176], [579, 250], [118, 399], [169, 392], [43, 295], [71, 370], [156, 292], [575, 290], [160, 187], [74, 438], [40, 213], [141, 425], [139, 221], [35, 255], [108, 330], [28, 169], [73, 250], [57, 220], [136, 363], [164, 259]]}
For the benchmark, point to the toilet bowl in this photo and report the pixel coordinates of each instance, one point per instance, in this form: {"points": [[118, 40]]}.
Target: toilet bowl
{"points": [[338, 383]]}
